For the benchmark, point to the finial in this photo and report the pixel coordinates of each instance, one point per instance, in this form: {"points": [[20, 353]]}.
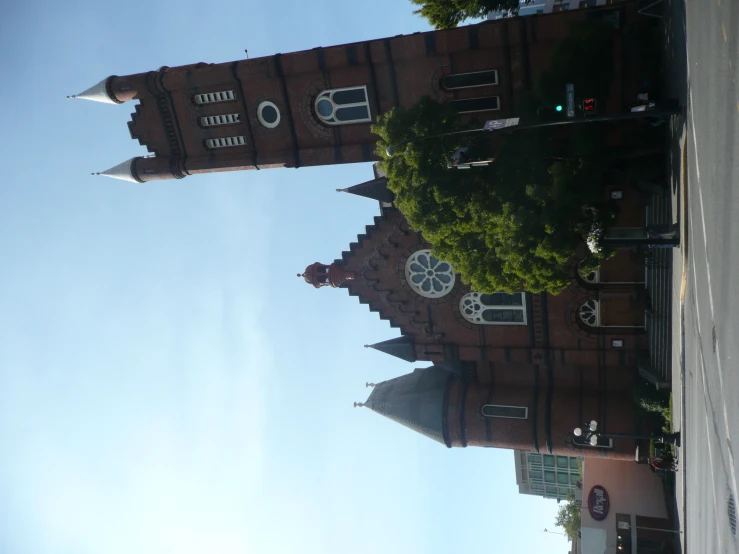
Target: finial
{"points": [[300, 275], [70, 97], [358, 405], [368, 346], [370, 385], [341, 190]]}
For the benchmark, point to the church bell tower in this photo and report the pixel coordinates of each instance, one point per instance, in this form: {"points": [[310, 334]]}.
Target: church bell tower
{"points": [[308, 108]]}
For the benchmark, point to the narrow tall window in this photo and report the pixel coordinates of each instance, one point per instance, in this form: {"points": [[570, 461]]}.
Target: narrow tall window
{"points": [[225, 119], [471, 105], [343, 106], [213, 97], [470, 80], [224, 142], [494, 309], [508, 412]]}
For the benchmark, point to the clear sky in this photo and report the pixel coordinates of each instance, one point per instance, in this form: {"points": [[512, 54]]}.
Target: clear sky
{"points": [[167, 384]]}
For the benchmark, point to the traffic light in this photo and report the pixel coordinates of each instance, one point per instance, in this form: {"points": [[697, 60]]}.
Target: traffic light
{"points": [[559, 108], [589, 106]]}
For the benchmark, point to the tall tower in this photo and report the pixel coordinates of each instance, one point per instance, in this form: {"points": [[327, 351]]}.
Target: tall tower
{"points": [[316, 107]]}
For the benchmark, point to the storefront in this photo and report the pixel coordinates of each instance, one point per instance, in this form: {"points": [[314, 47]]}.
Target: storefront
{"points": [[624, 510]]}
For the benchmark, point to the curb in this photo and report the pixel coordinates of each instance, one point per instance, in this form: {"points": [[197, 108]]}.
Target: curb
{"points": [[684, 246]]}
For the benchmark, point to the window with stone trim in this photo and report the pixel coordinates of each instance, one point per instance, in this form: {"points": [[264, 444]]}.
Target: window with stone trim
{"points": [[343, 106], [589, 313], [499, 308], [429, 276], [508, 412], [213, 97], [472, 105], [470, 80]]}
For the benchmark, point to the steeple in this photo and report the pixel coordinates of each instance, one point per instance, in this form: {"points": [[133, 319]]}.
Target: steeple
{"points": [[417, 401], [98, 93], [125, 171], [376, 189], [401, 347]]}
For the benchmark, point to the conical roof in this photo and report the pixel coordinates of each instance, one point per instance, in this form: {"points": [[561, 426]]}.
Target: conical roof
{"points": [[417, 401], [376, 189], [401, 347], [97, 93], [124, 171]]}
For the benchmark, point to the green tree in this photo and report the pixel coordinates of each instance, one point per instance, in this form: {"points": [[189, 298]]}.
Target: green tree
{"points": [[446, 14], [513, 225], [568, 517]]}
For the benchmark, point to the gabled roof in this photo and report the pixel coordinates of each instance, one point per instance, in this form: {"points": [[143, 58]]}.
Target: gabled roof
{"points": [[401, 347], [417, 401]]}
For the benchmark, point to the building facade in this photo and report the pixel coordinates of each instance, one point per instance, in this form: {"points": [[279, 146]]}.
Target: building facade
{"points": [[517, 371], [548, 475], [316, 107]]}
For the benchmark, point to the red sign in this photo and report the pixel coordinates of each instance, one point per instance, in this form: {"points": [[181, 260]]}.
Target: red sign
{"points": [[588, 106], [598, 503]]}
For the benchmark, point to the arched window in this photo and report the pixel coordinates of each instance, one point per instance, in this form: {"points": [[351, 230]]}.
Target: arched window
{"points": [[342, 106], [213, 97], [470, 80], [590, 313], [471, 105], [494, 309], [509, 412], [225, 119], [224, 142], [589, 276], [428, 276]]}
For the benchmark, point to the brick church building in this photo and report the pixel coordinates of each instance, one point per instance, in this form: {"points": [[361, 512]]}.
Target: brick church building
{"points": [[517, 371]]}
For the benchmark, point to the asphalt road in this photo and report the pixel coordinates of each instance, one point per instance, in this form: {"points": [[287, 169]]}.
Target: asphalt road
{"points": [[711, 419]]}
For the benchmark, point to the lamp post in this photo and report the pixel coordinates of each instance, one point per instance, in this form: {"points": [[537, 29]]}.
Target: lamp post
{"points": [[591, 435]]}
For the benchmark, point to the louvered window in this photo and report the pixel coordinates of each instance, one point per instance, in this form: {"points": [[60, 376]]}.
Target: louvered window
{"points": [[213, 97], [224, 142], [225, 119]]}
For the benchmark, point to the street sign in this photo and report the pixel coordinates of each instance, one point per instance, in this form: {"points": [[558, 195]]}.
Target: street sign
{"points": [[570, 90], [497, 124]]}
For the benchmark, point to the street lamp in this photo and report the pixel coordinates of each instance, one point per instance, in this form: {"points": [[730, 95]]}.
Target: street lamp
{"points": [[591, 435]]}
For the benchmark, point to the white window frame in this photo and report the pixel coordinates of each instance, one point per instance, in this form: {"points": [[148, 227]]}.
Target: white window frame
{"points": [[214, 97], [331, 119], [410, 272], [477, 318], [263, 121], [223, 119], [495, 83], [497, 109], [225, 142], [524, 408], [592, 309]]}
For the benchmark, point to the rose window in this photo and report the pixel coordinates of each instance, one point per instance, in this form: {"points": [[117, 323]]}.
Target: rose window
{"points": [[428, 276], [590, 313]]}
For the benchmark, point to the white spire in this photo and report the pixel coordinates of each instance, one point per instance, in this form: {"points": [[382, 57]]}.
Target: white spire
{"points": [[98, 93], [121, 171]]}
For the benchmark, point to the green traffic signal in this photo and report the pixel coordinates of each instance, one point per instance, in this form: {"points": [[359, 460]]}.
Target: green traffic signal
{"points": [[558, 108]]}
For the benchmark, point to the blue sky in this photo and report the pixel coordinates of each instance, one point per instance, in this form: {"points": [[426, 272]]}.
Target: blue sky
{"points": [[167, 385]]}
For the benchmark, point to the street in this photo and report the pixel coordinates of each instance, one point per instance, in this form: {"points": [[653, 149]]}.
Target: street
{"points": [[706, 496]]}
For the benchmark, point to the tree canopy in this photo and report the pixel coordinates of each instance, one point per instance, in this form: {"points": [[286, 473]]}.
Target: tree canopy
{"points": [[568, 517], [514, 224], [446, 14]]}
